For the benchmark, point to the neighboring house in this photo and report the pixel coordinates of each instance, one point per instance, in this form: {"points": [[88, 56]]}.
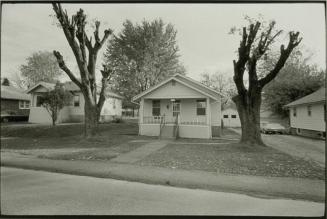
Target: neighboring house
{"points": [[231, 119], [75, 111], [230, 116], [308, 115], [14, 103], [179, 107]]}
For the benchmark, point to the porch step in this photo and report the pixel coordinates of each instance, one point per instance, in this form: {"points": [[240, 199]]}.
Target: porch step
{"points": [[167, 132]]}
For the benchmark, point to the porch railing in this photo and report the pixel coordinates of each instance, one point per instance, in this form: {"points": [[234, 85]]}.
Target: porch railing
{"points": [[172, 120]]}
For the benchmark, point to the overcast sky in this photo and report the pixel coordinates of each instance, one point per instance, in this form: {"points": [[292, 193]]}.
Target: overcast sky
{"points": [[202, 37]]}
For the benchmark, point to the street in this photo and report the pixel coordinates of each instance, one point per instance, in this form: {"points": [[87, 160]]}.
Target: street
{"points": [[31, 192]]}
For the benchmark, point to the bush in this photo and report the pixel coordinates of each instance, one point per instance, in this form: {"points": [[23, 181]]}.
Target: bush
{"points": [[117, 120]]}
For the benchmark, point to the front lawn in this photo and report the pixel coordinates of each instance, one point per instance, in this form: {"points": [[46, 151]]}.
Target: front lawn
{"points": [[67, 136], [233, 158], [65, 130]]}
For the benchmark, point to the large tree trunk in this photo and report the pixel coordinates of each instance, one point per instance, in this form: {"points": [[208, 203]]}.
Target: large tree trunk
{"points": [[248, 107], [91, 119]]}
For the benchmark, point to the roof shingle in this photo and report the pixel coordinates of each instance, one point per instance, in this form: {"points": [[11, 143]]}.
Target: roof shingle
{"points": [[13, 93], [318, 96]]}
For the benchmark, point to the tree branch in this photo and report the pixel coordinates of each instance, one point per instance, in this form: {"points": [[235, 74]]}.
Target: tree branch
{"points": [[63, 66], [284, 54], [106, 76], [244, 56]]}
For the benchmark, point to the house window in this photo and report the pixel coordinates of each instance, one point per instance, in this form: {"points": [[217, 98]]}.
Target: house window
{"points": [[325, 112], [234, 116], [309, 110], [39, 101], [156, 107], [294, 112], [76, 100], [24, 104], [114, 103], [226, 116], [201, 107], [176, 107], [173, 83]]}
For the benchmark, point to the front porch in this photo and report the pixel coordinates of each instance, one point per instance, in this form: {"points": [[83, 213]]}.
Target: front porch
{"points": [[186, 118]]}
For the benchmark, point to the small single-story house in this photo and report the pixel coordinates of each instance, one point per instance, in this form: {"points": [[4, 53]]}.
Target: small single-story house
{"points": [[179, 107], [308, 115], [74, 112], [14, 102], [230, 116]]}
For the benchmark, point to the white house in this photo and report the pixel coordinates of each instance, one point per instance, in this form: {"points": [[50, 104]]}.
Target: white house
{"points": [[75, 111], [179, 107], [308, 115], [230, 116]]}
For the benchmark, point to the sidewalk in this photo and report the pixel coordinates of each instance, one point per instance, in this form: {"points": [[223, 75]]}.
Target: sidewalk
{"points": [[268, 187], [141, 152]]}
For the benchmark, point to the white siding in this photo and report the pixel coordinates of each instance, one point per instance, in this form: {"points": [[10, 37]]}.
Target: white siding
{"points": [[109, 109], [231, 122], [178, 91], [215, 113], [304, 121]]}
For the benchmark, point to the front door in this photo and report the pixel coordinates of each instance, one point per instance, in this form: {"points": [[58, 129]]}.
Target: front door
{"points": [[176, 108]]}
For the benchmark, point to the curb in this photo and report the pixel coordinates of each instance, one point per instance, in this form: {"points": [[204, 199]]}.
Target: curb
{"points": [[264, 187]]}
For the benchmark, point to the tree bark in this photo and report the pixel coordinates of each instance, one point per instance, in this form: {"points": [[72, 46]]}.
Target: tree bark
{"points": [[91, 119], [248, 107]]}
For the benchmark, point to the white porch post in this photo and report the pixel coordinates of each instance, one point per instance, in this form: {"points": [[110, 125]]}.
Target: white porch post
{"points": [[208, 112], [141, 114]]}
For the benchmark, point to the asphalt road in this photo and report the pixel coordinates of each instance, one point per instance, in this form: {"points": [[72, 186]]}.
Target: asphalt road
{"points": [[32, 192]]}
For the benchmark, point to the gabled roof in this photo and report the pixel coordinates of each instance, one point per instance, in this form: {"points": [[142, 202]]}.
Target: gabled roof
{"points": [[315, 97], [48, 86], [71, 86], [13, 93], [185, 81]]}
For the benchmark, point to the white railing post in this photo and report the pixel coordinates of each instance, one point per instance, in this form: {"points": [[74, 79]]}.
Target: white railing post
{"points": [[141, 114]]}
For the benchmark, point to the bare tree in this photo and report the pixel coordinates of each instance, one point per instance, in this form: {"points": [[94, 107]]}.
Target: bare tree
{"points": [[222, 84], [85, 53], [250, 51]]}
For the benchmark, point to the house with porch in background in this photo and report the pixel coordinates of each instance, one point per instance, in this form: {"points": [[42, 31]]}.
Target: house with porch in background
{"points": [[179, 107], [308, 115], [74, 112]]}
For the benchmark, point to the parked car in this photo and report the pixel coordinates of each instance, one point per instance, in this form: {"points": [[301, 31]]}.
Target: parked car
{"points": [[273, 128]]}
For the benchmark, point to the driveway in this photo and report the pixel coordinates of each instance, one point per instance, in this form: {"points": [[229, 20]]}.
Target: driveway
{"points": [[41, 193], [306, 148]]}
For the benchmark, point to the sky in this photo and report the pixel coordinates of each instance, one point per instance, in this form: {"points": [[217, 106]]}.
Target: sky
{"points": [[202, 30]]}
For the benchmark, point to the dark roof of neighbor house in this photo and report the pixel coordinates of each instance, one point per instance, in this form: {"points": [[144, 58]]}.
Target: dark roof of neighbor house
{"points": [[186, 80], [315, 97], [71, 86], [13, 93]]}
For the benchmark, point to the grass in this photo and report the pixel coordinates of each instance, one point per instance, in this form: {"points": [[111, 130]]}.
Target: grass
{"points": [[47, 131], [94, 154], [67, 136], [66, 143], [234, 158]]}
